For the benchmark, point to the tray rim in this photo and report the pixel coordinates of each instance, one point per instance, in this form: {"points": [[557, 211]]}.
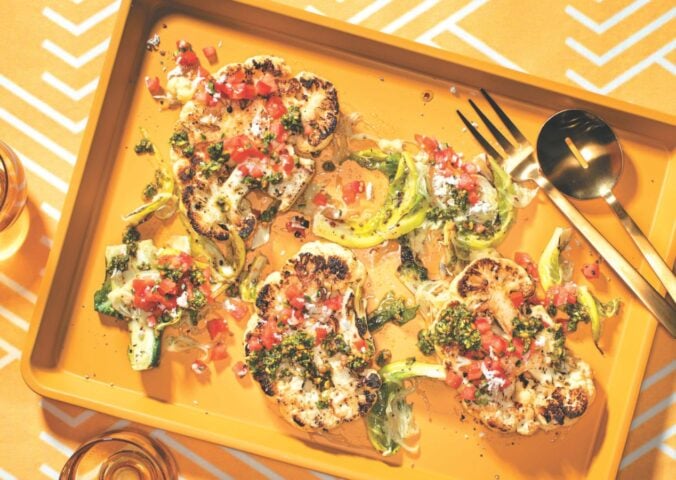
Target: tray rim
{"points": [[31, 373]]}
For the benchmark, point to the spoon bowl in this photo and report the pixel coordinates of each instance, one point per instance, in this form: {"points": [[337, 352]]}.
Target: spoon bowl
{"points": [[579, 153], [581, 156]]}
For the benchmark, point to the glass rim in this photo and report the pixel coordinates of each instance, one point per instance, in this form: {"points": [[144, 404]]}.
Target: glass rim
{"points": [[5, 177]]}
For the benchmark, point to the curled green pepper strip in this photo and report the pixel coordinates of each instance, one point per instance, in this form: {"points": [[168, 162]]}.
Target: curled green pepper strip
{"points": [[165, 190], [403, 211], [503, 184]]}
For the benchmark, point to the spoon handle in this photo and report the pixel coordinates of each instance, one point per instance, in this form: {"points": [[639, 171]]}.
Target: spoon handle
{"points": [[653, 301], [654, 259]]}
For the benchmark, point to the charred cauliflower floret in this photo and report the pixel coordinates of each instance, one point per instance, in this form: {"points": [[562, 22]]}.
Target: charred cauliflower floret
{"points": [[488, 284], [307, 344], [250, 126], [507, 358]]}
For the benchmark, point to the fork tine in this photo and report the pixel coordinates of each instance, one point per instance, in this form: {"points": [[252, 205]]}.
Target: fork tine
{"points": [[479, 138], [504, 143], [516, 133]]}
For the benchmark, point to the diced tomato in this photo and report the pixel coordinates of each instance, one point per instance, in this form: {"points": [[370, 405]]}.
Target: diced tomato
{"points": [[474, 372], [241, 369], [216, 326], [181, 262], [446, 160], [483, 324], [199, 367], [187, 59], [243, 91], [287, 163], [498, 344], [321, 199], [205, 98], [453, 380], [244, 168], [560, 295], [519, 349], [468, 392], [238, 309], [473, 197], [466, 182], [526, 261], [284, 315], [219, 352], [352, 189], [210, 53], [591, 270], [275, 107], [266, 85], [151, 321], [254, 344], [334, 302], [517, 299], [144, 296], [237, 77], [153, 85], [320, 334], [257, 171], [279, 131], [269, 335], [429, 144], [167, 286], [295, 296], [360, 345]]}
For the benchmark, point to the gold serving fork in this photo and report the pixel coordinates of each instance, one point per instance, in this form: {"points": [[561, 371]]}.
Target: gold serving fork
{"points": [[520, 163]]}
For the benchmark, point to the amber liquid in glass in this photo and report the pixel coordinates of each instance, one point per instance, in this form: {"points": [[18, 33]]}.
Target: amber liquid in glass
{"points": [[14, 218]]}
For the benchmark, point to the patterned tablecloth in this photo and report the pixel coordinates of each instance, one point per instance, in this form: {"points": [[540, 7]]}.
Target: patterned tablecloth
{"points": [[52, 53]]}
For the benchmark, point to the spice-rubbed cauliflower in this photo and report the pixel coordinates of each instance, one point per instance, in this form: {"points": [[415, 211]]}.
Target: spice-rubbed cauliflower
{"points": [[307, 344], [507, 358], [249, 126]]}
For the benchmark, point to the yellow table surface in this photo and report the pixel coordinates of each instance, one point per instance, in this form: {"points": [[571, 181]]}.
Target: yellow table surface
{"points": [[52, 53]]}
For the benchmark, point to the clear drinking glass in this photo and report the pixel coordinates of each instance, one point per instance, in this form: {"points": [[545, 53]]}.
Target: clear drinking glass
{"points": [[120, 455], [13, 193]]}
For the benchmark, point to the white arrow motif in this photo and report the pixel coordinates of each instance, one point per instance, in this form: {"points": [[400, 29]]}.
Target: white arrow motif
{"points": [[12, 354], [450, 25], [14, 318], [652, 411], [5, 475], [43, 107], [176, 446], [67, 90], [600, 28], [655, 58], [38, 136], [409, 16], [368, 11], [623, 45], [80, 28], [41, 172], [655, 442], [70, 59], [71, 421]]}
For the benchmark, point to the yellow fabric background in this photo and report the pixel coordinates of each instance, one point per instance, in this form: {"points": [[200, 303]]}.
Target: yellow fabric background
{"points": [[52, 55]]}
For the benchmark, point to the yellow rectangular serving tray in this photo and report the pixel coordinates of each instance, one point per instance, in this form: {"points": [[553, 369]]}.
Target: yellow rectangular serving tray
{"points": [[76, 356]]}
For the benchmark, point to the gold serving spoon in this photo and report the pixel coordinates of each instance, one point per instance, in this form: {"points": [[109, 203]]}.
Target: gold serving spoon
{"points": [[580, 154]]}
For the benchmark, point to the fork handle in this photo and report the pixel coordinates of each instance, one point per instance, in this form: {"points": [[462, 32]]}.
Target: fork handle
{"points": [[653, 301], [654, 259]]}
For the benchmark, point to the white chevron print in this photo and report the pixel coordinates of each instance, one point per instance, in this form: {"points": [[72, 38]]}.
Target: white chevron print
{"points": [[71, 421], [450, 25], [51, 211], [41, 172], [69, 91], [18, 288], [652, 411], [656, 58], [409, 16], [42, 106], [11, 353], [655, 442], [624, 44], [49, 472], [72, 60], [177, 446], [600, 28], [662, 373], [39, 137], [253, 463], [14, 319], [367, 12], [86, 25], [5, 475]]}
